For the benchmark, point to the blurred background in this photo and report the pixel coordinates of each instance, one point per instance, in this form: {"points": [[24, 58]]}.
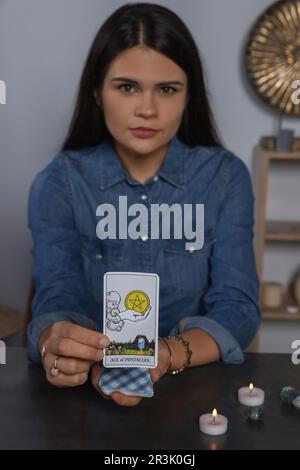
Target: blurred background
{"points": [[43, 46]]}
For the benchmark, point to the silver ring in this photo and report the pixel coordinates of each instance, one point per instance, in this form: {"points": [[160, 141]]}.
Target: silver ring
{"points": [[54, 371]]}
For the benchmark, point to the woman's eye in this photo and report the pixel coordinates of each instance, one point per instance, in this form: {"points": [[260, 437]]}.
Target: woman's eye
{"points": [[169, 88], [122, 87]]}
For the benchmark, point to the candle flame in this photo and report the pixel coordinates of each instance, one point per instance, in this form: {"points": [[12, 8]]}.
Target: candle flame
{"points": [[251, 387], [214, 414]]}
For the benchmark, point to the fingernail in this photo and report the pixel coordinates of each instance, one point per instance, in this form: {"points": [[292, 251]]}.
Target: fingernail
{"points": [[104, 343]]}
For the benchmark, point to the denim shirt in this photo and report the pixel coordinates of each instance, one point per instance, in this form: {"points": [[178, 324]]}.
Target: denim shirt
{"points": [[215, 288]]}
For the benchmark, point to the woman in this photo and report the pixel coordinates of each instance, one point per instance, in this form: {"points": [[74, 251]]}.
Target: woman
{"points": [[143, 71]]}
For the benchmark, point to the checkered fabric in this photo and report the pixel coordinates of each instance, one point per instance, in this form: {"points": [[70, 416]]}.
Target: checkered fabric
{"points": [[134, 381]]}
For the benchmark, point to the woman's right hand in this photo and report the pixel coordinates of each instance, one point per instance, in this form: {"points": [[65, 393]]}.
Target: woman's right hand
{"points": [[76, 348]]}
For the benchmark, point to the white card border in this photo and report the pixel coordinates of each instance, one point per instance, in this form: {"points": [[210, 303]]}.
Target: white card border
{"points": [[156, 317]]}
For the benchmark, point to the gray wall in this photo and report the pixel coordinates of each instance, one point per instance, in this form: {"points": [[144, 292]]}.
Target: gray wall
{"points": [[43, 45]]}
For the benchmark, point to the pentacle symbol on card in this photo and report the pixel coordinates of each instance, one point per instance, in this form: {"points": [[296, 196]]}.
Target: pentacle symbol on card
{"points": [[137, 308], [138, 301]]}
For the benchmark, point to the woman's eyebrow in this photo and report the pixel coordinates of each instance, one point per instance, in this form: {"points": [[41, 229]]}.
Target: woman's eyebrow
{"points": [[126, 79]]}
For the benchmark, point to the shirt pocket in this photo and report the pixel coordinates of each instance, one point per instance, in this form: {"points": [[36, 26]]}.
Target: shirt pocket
{"points": [[98, 257], [188, 271], [98, 251]]}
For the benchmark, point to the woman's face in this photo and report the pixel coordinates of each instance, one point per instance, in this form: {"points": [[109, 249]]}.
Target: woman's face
{"points": [[147, 103]]}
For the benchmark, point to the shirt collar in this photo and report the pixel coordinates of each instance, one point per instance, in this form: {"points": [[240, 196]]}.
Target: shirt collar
{"points": [[173, 168]]}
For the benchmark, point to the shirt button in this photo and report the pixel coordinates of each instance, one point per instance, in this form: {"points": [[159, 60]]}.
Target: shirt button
{"points": [[98, 256], [155, 178], [192, 249], [144, 238], [144, 196]]}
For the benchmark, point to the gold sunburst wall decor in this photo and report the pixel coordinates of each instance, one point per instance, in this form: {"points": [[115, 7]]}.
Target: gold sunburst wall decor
{"points": [[273, 55]]}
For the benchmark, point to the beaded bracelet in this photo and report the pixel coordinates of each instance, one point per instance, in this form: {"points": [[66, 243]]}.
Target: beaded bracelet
{"points": [[188, 351]]}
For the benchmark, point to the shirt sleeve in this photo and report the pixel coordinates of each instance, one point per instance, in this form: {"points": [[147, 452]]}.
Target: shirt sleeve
{"points": [[231, 314], [60, 284]]}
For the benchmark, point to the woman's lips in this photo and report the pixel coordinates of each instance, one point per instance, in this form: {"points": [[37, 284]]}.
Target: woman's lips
{"points": [[143, 133]]}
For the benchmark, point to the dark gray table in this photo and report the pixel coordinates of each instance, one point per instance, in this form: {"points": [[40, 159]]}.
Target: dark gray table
{"points": [[36, 415]]}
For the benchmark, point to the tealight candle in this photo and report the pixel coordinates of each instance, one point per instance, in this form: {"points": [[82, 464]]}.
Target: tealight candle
{"points": [[213, 424], [251, 396]]}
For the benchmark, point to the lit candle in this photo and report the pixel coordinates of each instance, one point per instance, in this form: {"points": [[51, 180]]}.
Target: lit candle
{"points": [[213, 424], [251, 396]]}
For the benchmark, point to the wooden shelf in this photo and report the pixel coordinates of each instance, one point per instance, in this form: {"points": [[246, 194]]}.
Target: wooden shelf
{"points": [[279, 314], [285, 231], [272, 154], [281, 156], [272, 230]]}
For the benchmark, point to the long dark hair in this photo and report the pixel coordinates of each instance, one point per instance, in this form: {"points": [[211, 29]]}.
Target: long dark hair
{"points": [[162, 30]]}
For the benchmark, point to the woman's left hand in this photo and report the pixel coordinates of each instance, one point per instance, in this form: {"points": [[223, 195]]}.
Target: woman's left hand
{"points": [[156, 374]]}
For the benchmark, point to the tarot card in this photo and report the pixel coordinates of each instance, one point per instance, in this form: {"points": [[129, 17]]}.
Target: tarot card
{"points": [[130, 319]]}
